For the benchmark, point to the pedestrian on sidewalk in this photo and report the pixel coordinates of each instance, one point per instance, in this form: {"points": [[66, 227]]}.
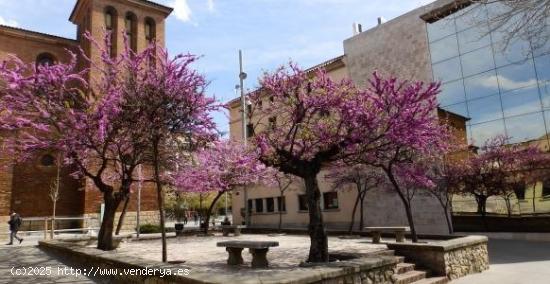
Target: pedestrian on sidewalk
{"points": [[15, 223]]}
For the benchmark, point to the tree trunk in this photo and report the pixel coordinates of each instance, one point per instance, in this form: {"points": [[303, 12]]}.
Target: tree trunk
{"points": [[318, 251], [160, 201], [122, 215], [449, 221], [350, 229], [209, 212], [406, 204], [105, 235], [362, 212], [281, 213]]}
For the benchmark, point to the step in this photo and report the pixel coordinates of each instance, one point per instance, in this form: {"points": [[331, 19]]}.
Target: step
{"points": [[404, 267], [409, 277], [432, 280], [400, 259]]}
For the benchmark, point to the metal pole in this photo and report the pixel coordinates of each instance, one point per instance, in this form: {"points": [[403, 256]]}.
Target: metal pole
{"points": [[138, 201], [242, 76]]}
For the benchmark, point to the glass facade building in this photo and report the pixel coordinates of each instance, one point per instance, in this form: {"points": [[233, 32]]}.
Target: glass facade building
{"points": [[501, 88]]}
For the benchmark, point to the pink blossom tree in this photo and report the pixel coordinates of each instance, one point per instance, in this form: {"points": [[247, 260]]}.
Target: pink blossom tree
{"points": [[363, 179], [139, 109], [412, 137], [52, 107], [221, 167]]}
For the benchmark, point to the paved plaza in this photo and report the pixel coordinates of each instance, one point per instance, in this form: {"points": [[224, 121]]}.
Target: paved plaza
{"points": [[202, 252], [512, 261]]}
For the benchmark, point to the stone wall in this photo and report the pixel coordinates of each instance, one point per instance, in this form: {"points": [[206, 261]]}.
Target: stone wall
{"points": [[130, 221], [453, 258]]}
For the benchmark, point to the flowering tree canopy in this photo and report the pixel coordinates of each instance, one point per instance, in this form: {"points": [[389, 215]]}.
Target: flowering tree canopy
{"points": [[221, 167], [316, 121], [133, 107]]}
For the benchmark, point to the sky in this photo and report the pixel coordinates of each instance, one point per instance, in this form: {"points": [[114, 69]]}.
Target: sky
{"points": [[270, 32]]}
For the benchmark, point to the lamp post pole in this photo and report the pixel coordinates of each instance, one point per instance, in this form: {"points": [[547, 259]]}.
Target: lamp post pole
{"points": [[242, 77]]}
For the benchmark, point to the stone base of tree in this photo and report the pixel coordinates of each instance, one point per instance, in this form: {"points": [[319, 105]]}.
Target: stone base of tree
{"points": [[452, 258], [375, 269]]}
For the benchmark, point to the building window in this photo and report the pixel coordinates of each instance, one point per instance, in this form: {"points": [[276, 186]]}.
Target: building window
{"points": [[249, 130], [45, 59], [330, 200], [249, 205], [272, 123], [111, 26], [281, 204], [259, 205], [270, 204], [47, 160], [150, 30], [519, 190], [131, 27], [302, 202], [546, 188]]}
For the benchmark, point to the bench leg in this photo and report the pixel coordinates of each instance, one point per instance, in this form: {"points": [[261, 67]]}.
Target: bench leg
{"points": [[235, 257], [400, 237], [237, 232], [225, 232], [259, 258], [376, 237]]}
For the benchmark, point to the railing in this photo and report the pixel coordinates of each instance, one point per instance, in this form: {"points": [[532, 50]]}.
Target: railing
{"points": [[48, 225]]}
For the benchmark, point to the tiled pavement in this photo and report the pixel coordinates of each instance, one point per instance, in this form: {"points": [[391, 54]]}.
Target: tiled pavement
{"points": [[26, 258]]}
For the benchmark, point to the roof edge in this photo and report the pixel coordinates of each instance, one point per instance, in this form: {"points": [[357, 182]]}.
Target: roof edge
{"points": [[38, 34]]}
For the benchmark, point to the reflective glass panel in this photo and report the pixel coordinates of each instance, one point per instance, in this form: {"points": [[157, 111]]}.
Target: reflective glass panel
{"points": [[511, 52], [526, 127], [485, 109], [471, 16], [521, 101], [542, 44], [451, 93], [482, 85], [444, 48], [483, 131], [459, 109], [542, 65], [545, 95], [441, 28], [517, 75], [447, 70], [474, 38], [477, 61]]}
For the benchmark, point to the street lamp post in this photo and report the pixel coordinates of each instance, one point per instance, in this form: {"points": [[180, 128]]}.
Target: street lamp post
{"points": [[242, 77]]}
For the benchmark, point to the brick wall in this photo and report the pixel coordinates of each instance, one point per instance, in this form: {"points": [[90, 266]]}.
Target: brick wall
{"points": [[31, 188]]}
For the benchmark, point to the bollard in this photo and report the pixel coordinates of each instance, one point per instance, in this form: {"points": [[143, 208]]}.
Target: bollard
{"points": [[45, 228], [52, 228]]}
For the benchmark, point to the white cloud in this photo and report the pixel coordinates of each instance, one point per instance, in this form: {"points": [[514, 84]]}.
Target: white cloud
{"points": [[505, 83], [182, 10], [8, 22]]}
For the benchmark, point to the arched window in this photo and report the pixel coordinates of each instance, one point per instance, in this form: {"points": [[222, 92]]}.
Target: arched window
{"points": [[45, 59], [47, 160], [131, 27], [150, 30], [111, 26]]}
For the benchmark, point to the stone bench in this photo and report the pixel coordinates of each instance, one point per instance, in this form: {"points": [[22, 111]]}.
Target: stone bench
{"points": [[377, 233], [235, 229], [258, 249]]}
